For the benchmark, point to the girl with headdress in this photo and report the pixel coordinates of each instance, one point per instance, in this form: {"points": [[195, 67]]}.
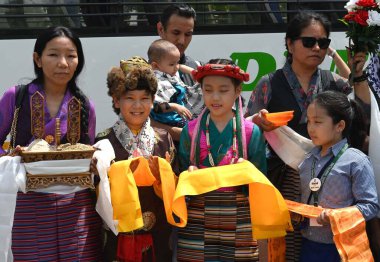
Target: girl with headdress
{"points": [[132, 87], [219, 226]]}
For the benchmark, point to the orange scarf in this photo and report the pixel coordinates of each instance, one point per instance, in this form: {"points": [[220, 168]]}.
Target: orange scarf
{"points": [[348, 227]]}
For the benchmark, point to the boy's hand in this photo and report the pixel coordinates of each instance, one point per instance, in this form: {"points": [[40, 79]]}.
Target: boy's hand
{"points": [[181, 110], [167, 157]]}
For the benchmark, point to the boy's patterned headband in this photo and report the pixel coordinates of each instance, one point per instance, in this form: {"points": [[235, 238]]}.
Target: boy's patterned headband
{"points": [[220, 70]]}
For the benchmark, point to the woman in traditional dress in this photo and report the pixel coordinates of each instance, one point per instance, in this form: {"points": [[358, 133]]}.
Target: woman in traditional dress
{"points": [[294, 87], [219, 224], [132, 87], [58, 222]]}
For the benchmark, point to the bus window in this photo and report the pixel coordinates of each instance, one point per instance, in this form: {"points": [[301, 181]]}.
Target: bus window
{"points": [[108, 18], [334, 10], [39, 14]]}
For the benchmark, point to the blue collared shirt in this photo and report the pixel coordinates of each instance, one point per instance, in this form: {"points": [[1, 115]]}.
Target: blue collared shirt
{"points": [[350, 182]]}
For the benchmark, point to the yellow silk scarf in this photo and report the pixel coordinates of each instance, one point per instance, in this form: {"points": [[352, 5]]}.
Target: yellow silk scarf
{"points": [[269, 213], [124, 193], [348, 227]]}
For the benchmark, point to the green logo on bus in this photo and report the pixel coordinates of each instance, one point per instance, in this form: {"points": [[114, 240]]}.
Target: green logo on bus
{"points": [[266, 64]]}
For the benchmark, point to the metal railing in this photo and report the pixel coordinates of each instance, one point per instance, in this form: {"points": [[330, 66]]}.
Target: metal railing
{"points": [[24, 18]]}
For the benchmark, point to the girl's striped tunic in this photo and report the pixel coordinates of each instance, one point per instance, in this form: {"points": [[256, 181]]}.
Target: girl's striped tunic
{"points": [[219, 224]]}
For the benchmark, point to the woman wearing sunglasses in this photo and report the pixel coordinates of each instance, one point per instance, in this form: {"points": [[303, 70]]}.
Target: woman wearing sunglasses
{"points": [[293, 88]]}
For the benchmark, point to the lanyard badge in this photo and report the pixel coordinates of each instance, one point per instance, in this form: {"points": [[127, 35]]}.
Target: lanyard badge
{"points": [[315, 184]]}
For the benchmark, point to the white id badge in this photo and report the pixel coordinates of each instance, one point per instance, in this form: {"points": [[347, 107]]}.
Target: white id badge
{"points": [[314, 223]]}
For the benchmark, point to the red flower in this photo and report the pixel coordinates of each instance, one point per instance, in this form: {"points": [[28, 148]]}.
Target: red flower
{"points": [[366, 3], [361, 17], [349, 17]]}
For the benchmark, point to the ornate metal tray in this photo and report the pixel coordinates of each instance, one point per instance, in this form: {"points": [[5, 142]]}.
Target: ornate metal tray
{"points": [[28, 156], [42, 181], [35, 181]]}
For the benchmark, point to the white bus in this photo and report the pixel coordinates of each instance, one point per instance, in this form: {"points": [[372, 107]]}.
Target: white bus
{"points": [[249, 32]]}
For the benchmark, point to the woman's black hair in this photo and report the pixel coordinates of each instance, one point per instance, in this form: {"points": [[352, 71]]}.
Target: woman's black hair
{"points": [[339, 107], [41, 42], [299, 22]]}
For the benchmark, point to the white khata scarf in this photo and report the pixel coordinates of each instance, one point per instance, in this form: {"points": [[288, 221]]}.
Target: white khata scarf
{"points": [[141, 144]]}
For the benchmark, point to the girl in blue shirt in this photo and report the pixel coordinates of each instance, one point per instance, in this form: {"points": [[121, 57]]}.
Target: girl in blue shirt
{"points": [[335, 174]]}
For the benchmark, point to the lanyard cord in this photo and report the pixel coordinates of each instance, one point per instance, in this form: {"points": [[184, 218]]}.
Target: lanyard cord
{"points": [[325, 171]]}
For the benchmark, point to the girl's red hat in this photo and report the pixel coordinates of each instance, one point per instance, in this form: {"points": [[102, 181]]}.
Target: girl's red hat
{"points": [[220, 70]]}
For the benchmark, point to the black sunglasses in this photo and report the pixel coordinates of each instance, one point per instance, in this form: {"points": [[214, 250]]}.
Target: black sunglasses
{"points": [[309, 41]]}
